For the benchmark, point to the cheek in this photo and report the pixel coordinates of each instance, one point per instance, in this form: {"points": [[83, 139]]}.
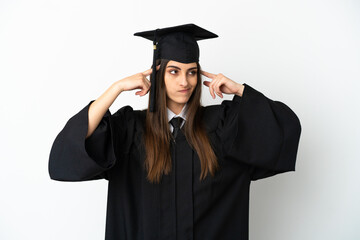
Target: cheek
{"points": [[193, 82], [168, 87], [167, 82]]}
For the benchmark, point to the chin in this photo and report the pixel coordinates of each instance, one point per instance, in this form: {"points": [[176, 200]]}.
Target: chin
{"points": [[183, 100], [180, 99]]}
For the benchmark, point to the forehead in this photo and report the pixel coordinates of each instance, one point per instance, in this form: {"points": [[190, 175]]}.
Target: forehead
{"points": [[182, 65]]}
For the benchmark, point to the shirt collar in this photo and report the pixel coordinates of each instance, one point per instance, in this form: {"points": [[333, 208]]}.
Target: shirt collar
{"points": [[182, 114]]}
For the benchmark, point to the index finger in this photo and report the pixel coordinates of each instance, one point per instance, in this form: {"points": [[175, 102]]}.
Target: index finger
{"points": [[149, 71], [206, 74]]}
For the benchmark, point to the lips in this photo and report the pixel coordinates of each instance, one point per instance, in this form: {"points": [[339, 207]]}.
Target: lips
{"points": [[185, 90]]}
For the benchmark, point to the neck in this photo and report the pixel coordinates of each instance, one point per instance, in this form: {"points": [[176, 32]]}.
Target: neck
{"points": [[176, 107]]}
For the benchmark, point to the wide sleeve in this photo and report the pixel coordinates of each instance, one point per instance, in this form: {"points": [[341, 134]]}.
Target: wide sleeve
{"points": [[259, 132], [73, 157]]}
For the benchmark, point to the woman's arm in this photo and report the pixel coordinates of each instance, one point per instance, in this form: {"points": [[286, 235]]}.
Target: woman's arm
{"points": [[74, 158], [99, 107]]}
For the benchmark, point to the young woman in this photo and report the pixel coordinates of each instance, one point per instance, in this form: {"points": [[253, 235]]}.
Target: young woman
{"points": [[178, 170]]}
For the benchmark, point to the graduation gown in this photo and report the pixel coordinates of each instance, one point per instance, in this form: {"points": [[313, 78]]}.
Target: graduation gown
{"points": [[253, 137]]}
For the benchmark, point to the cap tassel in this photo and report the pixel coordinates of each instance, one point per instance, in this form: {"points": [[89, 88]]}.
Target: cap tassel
{"points": [[153, 76]]}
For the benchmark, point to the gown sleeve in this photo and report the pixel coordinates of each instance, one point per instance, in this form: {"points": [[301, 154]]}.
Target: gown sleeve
{"points": [[75, 158], [260, 132]]}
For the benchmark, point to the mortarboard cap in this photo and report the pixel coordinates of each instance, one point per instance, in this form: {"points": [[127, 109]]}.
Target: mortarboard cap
{"points": [[178, 43]]}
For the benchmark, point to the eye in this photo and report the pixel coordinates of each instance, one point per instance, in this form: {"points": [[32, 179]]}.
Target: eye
{"points": [[171, 71], [193, 72]]}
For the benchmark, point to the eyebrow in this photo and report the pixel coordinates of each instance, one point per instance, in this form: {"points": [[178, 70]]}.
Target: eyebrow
{"points": [[180, 68]]}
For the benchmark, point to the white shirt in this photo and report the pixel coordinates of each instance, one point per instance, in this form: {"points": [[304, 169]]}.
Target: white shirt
{"points": [[171, 115]]}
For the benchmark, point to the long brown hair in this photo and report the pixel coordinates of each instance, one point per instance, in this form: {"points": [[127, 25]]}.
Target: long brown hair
{"points": [[158, 136]]}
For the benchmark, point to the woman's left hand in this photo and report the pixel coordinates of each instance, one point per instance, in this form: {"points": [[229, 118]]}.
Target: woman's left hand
{"points": [[221, 84]]}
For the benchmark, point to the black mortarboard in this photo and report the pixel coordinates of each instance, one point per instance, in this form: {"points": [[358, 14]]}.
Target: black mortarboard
{"points": [[177, 43]]}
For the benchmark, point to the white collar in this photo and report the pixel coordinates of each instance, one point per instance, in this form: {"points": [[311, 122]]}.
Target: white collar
{"points": [[171, 115]]}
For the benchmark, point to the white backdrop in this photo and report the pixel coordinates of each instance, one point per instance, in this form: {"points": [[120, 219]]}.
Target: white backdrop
{"points": [[56, 56]]}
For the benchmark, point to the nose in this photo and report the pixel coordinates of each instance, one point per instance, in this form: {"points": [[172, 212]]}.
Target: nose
{"points": [[183, 80]]}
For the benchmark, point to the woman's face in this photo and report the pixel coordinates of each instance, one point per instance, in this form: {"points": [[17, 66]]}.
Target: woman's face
{"points": [[180, 82]]}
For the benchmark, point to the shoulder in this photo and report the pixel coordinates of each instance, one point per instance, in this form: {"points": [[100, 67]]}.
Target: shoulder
{"points": [[140, 116], [127, 117], [212, 115], [129, 113]]}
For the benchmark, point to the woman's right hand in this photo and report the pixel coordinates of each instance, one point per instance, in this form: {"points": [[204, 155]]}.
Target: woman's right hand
{"points": [[99, 107], [136, 81]]}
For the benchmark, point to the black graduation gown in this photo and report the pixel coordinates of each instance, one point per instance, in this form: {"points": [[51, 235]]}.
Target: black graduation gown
{"points": [[253, 137]]}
